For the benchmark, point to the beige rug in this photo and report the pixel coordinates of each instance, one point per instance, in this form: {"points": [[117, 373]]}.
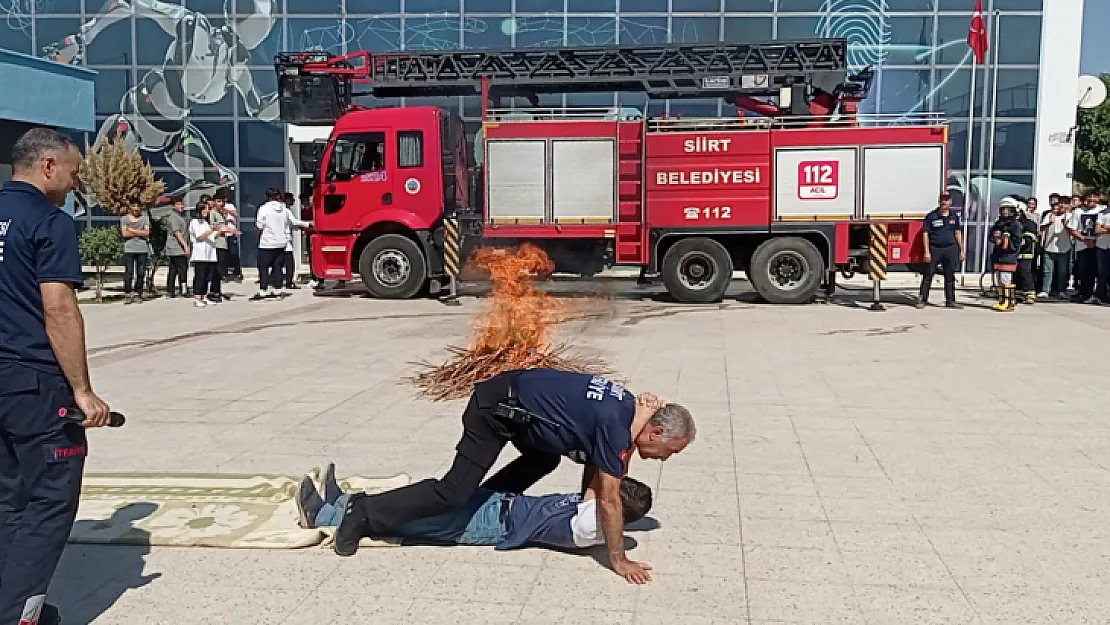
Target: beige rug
{"points": [[205, 510]]}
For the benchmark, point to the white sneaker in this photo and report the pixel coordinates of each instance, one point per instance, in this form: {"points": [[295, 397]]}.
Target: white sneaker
{"points": [[199, 303], [1042, 295], [1093, 300]]}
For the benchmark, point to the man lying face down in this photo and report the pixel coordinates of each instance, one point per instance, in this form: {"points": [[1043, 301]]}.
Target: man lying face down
{"points": [[489, 517]]}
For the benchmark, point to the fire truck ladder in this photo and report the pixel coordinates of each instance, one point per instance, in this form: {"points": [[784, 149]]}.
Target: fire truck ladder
{"points": [[317, 87]]}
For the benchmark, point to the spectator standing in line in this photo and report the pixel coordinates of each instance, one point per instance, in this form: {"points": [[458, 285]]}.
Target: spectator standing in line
{"points": [[135, 228], [1102, 243], [289, 261], [1084, 220], [1056, 239], [1035, 212], [202, 235], [219, 222], [177, 251], [274, 222], [234, 269]]}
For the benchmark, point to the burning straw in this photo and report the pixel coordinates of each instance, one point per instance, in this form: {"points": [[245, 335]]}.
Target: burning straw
{"points": [[512, 333]]}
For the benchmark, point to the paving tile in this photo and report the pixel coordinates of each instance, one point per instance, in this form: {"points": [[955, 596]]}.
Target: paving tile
{"points": [[787, 533], [805, 602], [793, 508], [888, 605], [794, 565], [682, 595]]}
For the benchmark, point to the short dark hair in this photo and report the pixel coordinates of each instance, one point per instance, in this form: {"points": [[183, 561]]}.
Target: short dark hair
{"points": [[36, 144], [1053, 196], [1064, 198], [944, 197], [201, 205], [635, 499], [220, 195], [273, 194], [1092, 194]]}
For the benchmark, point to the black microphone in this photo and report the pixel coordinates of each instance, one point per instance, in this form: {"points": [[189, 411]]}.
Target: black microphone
{"points": [[75, 415]]}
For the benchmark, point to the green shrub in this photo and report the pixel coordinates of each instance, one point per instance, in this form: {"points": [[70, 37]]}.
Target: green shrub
{"points": [[101, 248]]}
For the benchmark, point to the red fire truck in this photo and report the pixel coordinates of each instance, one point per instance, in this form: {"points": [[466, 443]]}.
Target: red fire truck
{"points": [[786, 191]]}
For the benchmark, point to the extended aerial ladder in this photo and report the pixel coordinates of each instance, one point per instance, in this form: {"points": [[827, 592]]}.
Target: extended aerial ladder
{"points": [[808, 77]]}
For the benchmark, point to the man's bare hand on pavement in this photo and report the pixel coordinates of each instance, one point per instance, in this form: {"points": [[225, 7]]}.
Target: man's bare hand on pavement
{"points": [[96, 411], [633, 572]]}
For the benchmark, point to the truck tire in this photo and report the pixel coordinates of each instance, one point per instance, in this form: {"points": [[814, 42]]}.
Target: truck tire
{"points": [[787, 270], [697, 271], [393, 267]]}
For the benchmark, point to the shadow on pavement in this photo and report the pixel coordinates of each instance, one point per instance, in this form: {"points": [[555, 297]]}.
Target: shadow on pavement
{"points": [[91, 578]]}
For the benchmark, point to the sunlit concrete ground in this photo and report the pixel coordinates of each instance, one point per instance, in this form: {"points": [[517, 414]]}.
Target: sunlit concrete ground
{"points": [[851, 467]]}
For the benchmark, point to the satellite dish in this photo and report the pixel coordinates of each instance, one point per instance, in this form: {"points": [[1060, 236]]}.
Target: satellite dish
{"points": [[1092, 92]]}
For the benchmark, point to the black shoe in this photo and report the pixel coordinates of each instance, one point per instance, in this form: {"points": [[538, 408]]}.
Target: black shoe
{"points": [[49, 615], [330, 484], [308, 502], [953, 305], [351, 528]]}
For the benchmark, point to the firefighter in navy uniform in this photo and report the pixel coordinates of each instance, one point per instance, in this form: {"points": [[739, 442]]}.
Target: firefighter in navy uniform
{"points": [[546, 414], [944, 249], [43, 368], [1006, 235], [1027, 256]]}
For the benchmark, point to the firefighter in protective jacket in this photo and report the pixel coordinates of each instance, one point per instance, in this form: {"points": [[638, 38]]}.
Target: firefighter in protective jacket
{"points": [[1027, 254], [1006, 236]]}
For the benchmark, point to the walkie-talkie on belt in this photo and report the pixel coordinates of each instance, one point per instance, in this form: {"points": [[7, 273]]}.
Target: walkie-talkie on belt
{"points": [[510, 410]]}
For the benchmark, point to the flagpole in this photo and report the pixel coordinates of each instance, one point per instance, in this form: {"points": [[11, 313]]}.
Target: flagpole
{"points": [[991, 147], [967, 173]]}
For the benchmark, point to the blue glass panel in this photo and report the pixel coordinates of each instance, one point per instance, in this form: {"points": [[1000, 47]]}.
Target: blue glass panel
{"points": [[642, 30], [261, 144], [432, 33], [373, 34], [695, 29], [591, 31], [543, 32], [488, 32]]}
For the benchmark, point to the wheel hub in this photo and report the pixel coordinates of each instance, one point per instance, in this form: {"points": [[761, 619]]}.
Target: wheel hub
{"points": [[787, 270], [696, 271], [391, 268]]}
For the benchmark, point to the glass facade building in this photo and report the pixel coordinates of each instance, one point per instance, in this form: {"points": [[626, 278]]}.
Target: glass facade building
{"points": [[192, 81]]}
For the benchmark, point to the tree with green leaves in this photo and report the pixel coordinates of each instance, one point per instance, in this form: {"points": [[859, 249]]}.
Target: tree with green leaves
{"points": [[101, 248], [1092, 146]]}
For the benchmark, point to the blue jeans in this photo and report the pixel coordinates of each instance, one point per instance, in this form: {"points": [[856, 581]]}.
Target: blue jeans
{"points": [[477, 522], [1056, 268]]}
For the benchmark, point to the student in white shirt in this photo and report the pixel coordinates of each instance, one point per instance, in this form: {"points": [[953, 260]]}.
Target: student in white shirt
{"points": [[289, 261], [274, 222], [1102, 245], [234, 261], [1083, 221], [1056, 238], [202, 236]]}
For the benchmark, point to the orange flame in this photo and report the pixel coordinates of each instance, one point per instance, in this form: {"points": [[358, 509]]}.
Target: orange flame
{"points": [[520, 316]]}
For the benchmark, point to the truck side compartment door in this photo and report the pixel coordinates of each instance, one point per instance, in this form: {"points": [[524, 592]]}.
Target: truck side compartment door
{"points": [[356, 182]]}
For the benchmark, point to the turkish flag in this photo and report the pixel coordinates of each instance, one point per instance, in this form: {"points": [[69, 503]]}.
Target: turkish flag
{"points": [[977, 36]]}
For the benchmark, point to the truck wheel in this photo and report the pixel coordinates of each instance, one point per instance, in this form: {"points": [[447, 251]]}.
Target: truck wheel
{"points": [[393, 267], [697, 271], [787, 270]]}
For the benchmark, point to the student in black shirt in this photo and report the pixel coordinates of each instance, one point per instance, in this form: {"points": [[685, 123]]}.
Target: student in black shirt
{"points": [[944, 249]]}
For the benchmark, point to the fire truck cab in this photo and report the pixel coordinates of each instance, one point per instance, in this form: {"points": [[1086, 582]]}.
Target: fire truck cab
{"points": [[787, 195]]}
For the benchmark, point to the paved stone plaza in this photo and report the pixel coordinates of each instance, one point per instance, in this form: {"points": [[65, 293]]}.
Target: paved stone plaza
{"points": [[906, 467]]}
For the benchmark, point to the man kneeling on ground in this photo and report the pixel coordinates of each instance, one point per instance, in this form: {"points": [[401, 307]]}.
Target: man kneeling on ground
{"points": [[490, 517]]}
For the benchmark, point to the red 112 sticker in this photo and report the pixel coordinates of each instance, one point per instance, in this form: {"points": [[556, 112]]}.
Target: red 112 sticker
{"points": [[818, 180]]}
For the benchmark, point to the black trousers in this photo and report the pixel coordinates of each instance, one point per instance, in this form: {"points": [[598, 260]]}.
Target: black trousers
{"points": [[483, 438], [42, 460], [947, 259], [134, 271], [234, 267], [1102, 290], [269, 268], [204, 272], [288, 266], [1086, 272], [177, 277], [221, 261], [1025, 276]]}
